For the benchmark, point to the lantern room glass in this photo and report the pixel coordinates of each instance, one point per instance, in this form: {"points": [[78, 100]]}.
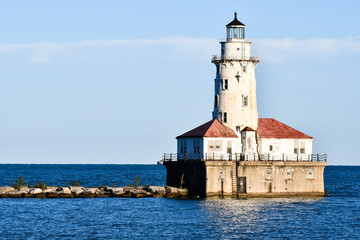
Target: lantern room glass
{"points": [[235, 33]]}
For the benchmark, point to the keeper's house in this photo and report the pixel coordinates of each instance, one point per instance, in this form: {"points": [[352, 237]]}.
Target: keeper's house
{"points": [[237, 153]]}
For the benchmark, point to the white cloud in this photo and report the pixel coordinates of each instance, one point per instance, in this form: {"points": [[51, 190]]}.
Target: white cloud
{"points": [[288, 48], [269, 49]]}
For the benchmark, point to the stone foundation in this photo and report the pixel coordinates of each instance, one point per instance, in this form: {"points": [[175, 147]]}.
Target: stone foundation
{"points": [[247, 178]]}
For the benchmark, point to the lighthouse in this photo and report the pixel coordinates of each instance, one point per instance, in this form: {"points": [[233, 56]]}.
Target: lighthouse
{"points": [[235, 83], [236, 152]]}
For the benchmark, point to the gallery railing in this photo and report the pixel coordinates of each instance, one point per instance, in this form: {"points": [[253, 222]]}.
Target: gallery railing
{"points": [[242, 157], [234, 57]]}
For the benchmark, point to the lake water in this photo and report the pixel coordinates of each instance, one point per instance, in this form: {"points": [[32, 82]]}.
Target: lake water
{"points": [[333, 217]]}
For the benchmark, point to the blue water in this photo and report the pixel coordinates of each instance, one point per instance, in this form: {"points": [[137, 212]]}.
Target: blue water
{"points": [[333, 217]]}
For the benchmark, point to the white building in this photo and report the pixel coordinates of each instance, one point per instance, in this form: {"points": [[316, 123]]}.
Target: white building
{"points": [[235, 130]]}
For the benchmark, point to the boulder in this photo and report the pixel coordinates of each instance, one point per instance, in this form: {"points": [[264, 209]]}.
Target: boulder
{"points": [[91, 190], [50, 190], [63, 190], [35, 191], [24, 190], [76, 189], [156, 189], [175, 192], [137, 192], [117, 191], [6, 189]]}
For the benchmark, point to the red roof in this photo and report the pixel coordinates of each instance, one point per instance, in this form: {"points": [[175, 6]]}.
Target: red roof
{"points": [[271, 128], [212, 128]]}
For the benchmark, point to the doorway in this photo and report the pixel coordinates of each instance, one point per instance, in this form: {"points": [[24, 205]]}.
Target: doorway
{"points": [[241, 184]]}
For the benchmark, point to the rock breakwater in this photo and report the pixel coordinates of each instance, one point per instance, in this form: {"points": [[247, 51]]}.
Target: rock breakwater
{"points": [[93, 192]]}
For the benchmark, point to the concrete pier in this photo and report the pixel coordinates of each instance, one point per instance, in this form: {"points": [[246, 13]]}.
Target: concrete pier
{"points": [[247, 178]]}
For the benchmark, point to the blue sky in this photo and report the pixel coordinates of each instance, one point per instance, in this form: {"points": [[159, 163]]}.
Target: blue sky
{"points": [[115, 82]]}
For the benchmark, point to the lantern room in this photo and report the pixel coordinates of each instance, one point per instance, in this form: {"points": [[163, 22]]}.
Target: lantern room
{"points": [[235, 30]]}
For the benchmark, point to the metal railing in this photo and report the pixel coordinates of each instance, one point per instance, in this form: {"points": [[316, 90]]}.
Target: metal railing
{"points": [[234, 57], [242, 157]]}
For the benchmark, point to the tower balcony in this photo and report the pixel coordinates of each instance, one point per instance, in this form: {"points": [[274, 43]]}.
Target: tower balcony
{"points": [[219, 58]]}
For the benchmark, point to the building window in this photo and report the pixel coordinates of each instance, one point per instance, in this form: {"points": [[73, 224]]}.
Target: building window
{"points": [[226, 84], [299, 147], [217, 101], [302, 147], [228, 148], [270, 147], [245, 101], [196, 146], [183, 147], [217, 69], [225, 117]]}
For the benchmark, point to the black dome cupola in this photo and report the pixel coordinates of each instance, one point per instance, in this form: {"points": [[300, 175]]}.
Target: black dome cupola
{"points": [[235, 29]]}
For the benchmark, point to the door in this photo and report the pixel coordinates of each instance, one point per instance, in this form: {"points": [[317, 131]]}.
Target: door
{"points": [[241, 184]]}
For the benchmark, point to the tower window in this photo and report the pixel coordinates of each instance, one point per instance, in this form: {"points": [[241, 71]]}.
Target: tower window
{"points": [[225, 117], [244, 69], [217, 101], [217, 68], [270, 147], [226, 84], [245, 101]]}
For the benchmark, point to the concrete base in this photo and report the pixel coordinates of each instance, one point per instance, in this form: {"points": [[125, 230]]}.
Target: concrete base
{"points": [[247, 178]]}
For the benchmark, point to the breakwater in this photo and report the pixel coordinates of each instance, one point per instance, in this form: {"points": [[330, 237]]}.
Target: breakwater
{"points": [[93, 192]]}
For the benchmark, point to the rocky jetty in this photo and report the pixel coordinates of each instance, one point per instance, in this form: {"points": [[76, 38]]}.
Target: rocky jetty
{"points": [[93, 192]]}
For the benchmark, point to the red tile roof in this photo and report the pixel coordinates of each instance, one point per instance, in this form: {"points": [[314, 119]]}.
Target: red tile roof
{"points": [[267, 128], [212, 128], [271, 128]]}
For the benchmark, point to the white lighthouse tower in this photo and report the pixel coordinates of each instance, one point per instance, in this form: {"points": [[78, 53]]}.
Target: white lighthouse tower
{"points": [[235, 83]]}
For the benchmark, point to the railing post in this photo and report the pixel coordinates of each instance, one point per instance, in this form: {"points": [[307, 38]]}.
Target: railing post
{"points": [[297, 157], [268, 157], [317, 157]]}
